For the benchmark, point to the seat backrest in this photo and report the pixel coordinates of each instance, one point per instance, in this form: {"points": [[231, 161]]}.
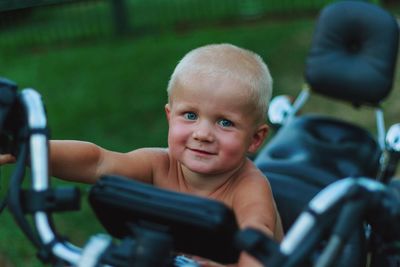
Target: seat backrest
{"points": [[353, 53]]}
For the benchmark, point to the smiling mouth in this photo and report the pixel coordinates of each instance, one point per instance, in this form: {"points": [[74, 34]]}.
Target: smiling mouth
{"points": [[202, 152]]}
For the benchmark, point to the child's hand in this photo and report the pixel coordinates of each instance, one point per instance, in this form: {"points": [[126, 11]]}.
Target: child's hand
{"points": [[7, 159], [202, 262]]}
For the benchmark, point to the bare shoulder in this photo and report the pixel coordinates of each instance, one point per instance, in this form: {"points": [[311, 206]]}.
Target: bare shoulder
{"points": [[253, 179], [155, 152], [150, 155], [253, 189], [140, 164]]}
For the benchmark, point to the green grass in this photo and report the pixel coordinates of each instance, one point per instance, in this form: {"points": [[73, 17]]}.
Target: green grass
{"points": [[113, 93]]}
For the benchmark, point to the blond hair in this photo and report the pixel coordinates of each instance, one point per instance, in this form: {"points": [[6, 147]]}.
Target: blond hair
{"points": [[232, 61]]}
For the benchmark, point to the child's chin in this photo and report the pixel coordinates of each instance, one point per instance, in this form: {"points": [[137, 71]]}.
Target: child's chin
{"points": [[201, 169]]}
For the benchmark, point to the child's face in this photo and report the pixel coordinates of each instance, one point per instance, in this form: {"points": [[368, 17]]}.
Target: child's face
{"points": [[211, 128]]}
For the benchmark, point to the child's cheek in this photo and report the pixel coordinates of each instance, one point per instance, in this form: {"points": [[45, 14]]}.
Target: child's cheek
{"points": [[232, 146], [178, 134]]}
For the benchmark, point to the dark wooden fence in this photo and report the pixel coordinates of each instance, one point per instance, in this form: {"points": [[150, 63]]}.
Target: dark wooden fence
{"points": [[28, 23]]}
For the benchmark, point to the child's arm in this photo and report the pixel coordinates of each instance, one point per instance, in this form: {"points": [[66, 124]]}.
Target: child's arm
{"points": [[70, 160], [257, 210], [86, 162], [75, 160]]}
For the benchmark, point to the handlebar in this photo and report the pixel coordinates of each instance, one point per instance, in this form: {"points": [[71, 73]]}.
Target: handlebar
{"points": [[41, 200], [38, 142], [349, 202], [385, 217]]}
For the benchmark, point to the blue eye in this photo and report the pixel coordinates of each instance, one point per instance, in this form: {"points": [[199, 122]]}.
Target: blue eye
{"points": [[225, 123], [190, 116]]}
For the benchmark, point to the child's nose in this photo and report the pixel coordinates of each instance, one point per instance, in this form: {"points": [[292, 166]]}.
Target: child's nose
{"points": [[203, 132]]}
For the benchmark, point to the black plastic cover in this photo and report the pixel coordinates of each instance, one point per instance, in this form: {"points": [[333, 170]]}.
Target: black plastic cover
{"points": [[199, 226]]}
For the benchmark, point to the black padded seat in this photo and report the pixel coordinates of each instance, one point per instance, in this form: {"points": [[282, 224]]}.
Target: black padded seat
{"points": [[309, 153], [320, 150], [291, 196]]}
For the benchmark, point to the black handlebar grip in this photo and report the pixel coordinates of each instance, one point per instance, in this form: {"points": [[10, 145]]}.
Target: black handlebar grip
{"points": [[387, 215], [8, 99]]}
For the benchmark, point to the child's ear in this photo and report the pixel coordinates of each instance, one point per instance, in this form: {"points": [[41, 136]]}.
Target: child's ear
{"points": [[258, 138], [167, 110]]}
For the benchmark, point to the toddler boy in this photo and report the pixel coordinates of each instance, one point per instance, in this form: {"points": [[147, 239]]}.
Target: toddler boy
{"points": [[217, 101]]}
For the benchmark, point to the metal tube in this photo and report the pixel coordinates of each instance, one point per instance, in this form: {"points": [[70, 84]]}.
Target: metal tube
{"points": [[40, 176], [296, 234], [380, 125]]}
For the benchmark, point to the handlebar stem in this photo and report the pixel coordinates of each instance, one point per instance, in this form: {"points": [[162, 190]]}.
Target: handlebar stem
{"points": [[38, 141]]}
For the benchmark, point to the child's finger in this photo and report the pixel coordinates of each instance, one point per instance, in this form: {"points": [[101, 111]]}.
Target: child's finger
{"points": [[6, 158]]}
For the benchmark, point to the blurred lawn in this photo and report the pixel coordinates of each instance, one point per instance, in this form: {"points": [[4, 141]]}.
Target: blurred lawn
{"points": [[113, 93]]}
